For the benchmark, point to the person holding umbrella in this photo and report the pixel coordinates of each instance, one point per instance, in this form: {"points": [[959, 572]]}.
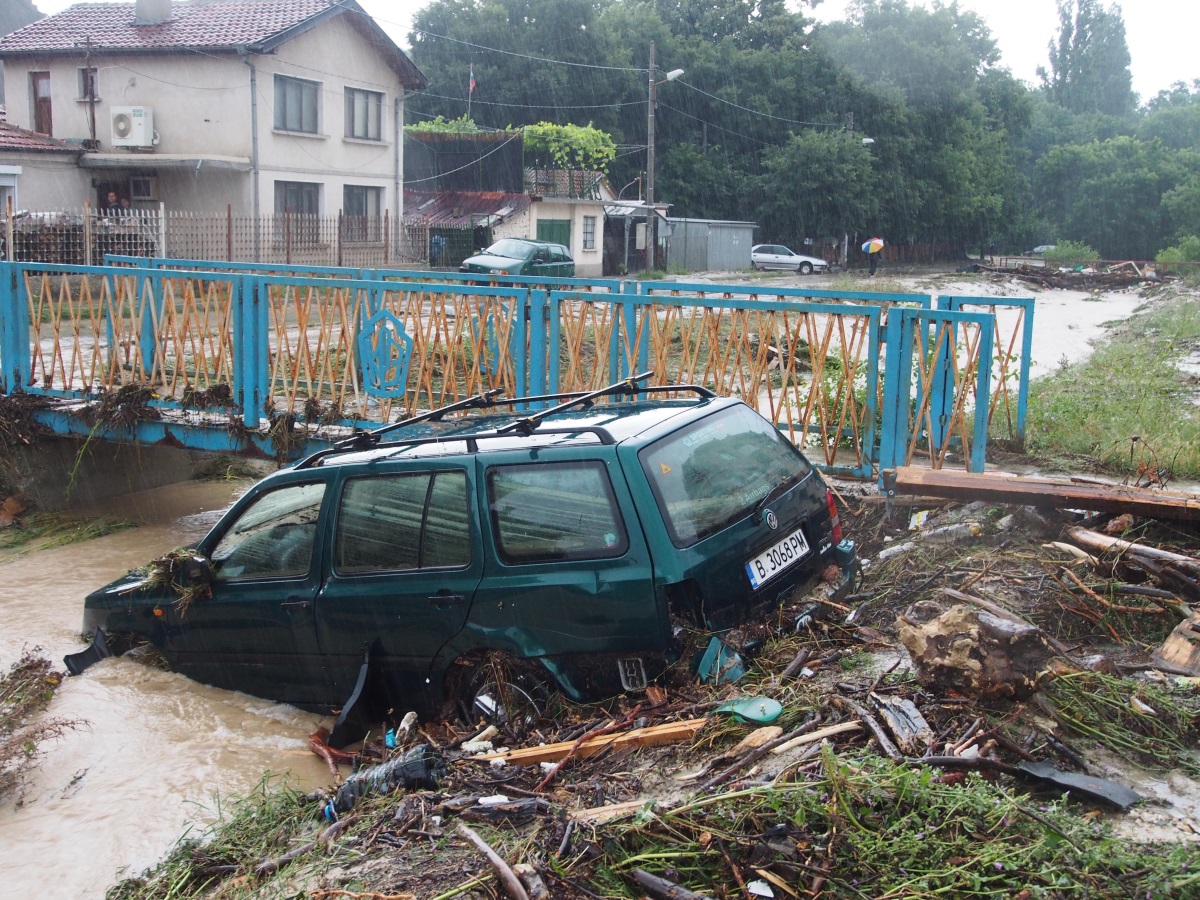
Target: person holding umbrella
{"points": [[872, 248]]}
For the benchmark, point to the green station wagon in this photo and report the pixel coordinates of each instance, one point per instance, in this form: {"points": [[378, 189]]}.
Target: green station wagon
{"points": [[582, 539], [516, 256]]}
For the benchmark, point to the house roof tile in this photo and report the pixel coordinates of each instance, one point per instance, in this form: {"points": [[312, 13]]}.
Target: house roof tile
{"points": [[110, 26], [14, 138]]}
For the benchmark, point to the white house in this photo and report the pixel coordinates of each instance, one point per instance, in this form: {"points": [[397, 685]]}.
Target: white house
{"points": [[262, 105]]}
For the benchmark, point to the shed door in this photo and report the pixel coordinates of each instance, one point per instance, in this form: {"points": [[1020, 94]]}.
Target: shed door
{"points": [[557, 231]]}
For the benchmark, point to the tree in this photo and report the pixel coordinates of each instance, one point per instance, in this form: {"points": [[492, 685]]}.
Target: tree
{"points": [[1109, 194], [820, 184], [1089, 62]]}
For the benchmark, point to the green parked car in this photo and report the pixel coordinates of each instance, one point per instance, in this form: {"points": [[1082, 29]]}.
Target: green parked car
{"points": [[582, 540], [516, 256]]}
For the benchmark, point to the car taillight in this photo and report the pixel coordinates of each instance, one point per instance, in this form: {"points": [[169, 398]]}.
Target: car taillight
{"points": [[833, 517]]}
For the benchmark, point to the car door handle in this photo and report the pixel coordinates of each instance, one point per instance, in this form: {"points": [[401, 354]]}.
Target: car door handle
{"points": [[295, 604], [447, 600]]}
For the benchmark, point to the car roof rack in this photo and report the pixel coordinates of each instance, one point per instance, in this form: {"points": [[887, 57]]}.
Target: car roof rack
{"points": [[365, 440], [629, 387]]}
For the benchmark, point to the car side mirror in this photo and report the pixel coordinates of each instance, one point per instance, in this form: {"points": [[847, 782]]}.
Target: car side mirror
{"points": [[197, 570]]}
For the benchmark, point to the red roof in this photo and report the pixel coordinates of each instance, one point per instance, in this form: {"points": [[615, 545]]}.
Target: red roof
{"points": [[14, 138], [462, 209], [260, 25]]}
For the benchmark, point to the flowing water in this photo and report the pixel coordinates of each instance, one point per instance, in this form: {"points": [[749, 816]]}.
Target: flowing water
{"points": [[153, 749]]}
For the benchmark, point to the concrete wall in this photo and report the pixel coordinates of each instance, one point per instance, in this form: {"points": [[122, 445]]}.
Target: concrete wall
{"points": [[45, 180]]}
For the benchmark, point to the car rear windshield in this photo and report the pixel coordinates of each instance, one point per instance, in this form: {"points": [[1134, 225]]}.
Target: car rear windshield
{"points": [[713, 472]]}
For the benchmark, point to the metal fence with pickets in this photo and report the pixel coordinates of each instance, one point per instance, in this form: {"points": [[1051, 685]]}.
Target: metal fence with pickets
{"points": [[85, 236], [227, 351]]}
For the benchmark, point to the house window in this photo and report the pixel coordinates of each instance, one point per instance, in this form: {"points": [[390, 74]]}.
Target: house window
{"points": [[88, 89], [296, 104], [364, 114], [297, 197], [362, 208], [297, 208], [589, 232], [39, 86]]}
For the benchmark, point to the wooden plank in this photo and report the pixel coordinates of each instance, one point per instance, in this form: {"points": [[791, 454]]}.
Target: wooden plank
{"points": [[640, 737], [1048, 492]]}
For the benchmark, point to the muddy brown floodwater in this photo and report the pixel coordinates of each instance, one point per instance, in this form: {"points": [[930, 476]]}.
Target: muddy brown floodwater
{"points": [[153, 749]]}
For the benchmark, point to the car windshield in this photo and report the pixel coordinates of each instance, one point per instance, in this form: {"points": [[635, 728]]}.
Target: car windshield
{"points": [[509, 248], [710, 474]]}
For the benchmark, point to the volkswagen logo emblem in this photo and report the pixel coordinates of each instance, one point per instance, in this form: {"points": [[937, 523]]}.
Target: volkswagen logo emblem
{"points": [[771, 519]]}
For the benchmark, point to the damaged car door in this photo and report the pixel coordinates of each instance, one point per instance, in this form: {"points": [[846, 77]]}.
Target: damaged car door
{"points": [[406, 560], [257, 631]]}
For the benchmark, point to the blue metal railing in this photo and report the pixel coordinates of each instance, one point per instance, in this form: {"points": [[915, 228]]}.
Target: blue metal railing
{"points": [[872, 380]]}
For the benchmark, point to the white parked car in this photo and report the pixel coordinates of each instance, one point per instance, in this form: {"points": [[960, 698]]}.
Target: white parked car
{"points": [[777, 256]]}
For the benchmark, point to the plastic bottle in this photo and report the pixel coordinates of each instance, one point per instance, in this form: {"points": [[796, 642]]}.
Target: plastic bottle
{"points": [[418, 767]]}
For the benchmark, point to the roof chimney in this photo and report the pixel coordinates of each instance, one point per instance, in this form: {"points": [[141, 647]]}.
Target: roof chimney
{"points": [[151, 12]]}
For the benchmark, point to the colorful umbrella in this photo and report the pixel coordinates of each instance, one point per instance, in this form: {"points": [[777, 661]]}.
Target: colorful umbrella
{"points": [[874, 245]]}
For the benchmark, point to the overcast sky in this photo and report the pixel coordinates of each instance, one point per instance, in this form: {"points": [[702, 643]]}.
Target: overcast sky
{"points": [[1161, 33]]}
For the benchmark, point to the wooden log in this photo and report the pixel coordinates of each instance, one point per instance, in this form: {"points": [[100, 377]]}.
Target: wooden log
{"points": [[653, 736], [885, 743], [663, 889], [512, 884], [1094, 540], [1045, 492]]}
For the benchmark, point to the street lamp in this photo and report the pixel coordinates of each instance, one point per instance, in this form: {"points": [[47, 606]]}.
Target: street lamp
{"points": [[651, 219]]}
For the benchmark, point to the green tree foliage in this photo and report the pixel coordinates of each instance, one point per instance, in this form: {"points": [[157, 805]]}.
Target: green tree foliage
{"points": [[568, 146], [1109, 193], [440, 125], [1187, 250], [822, 183], [1089, 62]]}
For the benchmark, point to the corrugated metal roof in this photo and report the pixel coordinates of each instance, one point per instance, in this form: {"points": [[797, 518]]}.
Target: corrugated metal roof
{"points": [[260, 25], [14, 138], [462, 209]]}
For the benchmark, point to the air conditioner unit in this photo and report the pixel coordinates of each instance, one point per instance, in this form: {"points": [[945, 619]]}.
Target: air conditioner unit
{"points": [[143, 187], [132, 126]]}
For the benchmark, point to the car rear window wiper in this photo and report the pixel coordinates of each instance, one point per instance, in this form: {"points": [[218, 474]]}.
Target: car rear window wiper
{"points": [[778, 491]]}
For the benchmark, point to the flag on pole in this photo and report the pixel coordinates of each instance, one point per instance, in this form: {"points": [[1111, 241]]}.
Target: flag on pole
{"points": [[471, 89]]}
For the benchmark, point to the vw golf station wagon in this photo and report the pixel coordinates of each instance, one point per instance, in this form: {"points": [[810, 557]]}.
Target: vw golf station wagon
{"points": [[582, 539]]}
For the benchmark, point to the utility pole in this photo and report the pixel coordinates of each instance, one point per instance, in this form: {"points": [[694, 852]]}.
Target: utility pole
{"points": [[651, 245]]}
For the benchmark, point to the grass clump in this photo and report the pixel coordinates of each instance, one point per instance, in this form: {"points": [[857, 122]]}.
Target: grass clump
{"points": [[260, 826], [45, 530], [25, 691], [1127, 403], [865, 827]]}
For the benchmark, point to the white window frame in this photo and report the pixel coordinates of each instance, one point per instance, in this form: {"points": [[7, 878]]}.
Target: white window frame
{"points": [[352, 95], [304, 85], [589, 232]]}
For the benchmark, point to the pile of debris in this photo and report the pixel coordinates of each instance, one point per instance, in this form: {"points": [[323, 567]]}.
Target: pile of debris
{"points": [[1082, 278], [957, 726]]}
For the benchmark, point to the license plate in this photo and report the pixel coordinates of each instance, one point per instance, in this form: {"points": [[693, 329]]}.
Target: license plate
{"points": [[777, 558]]}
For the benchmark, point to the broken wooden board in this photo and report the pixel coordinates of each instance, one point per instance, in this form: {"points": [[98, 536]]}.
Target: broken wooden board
{"points": [[1182, 646], [1048, 492], [653, 736], [913, 735]]}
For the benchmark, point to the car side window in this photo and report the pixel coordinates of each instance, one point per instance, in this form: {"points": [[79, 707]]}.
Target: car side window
{"points": [[273, 537], [544, 512], [390, 523]]}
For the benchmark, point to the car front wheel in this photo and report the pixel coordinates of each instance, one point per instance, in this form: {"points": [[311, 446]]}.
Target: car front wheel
{"points": [[806, 268]]}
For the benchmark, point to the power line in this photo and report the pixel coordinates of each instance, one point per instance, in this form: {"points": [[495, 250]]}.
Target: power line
{"points": [[754, 111], [532, 106]]}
